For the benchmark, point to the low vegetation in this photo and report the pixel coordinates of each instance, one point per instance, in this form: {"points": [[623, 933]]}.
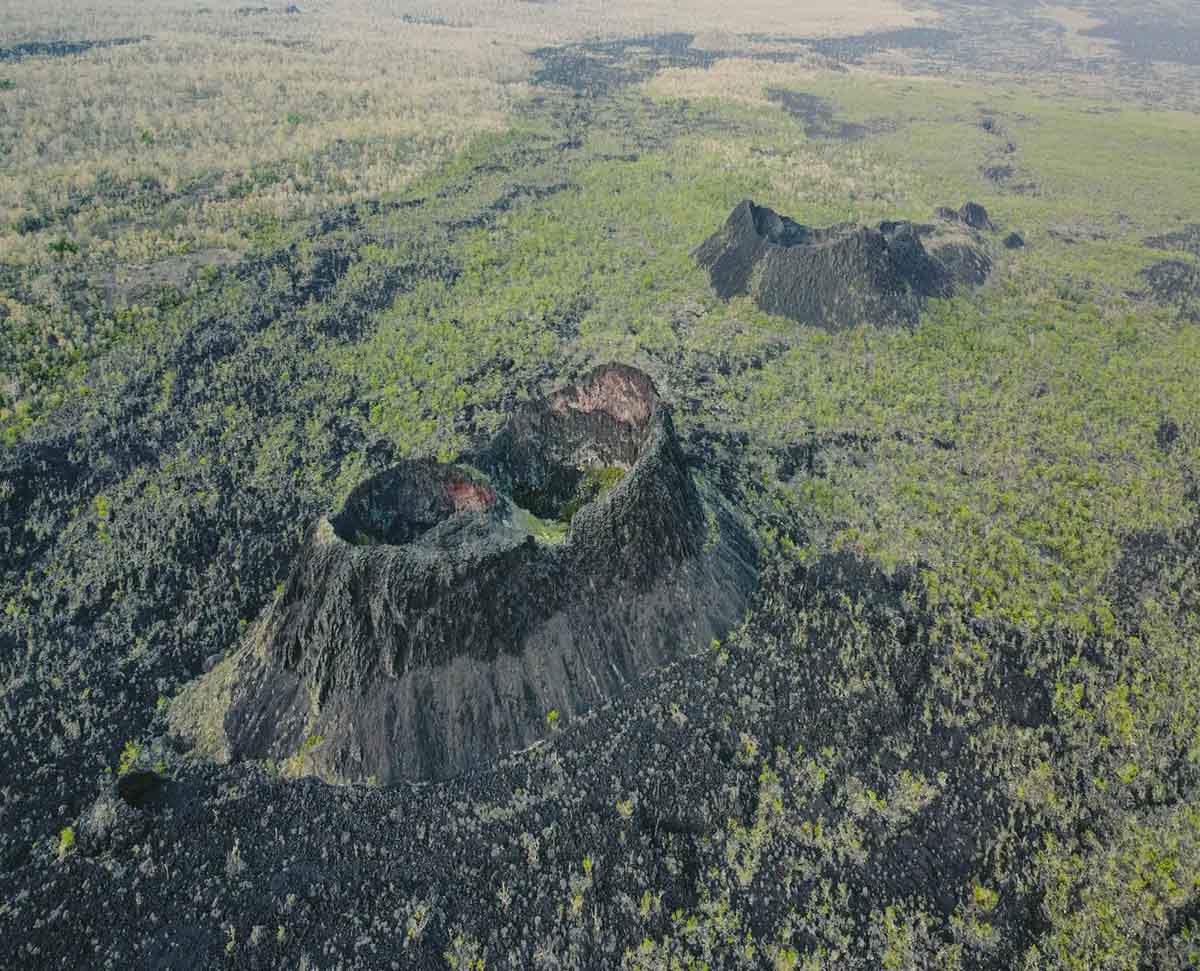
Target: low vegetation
{"points": [[958, 727]]}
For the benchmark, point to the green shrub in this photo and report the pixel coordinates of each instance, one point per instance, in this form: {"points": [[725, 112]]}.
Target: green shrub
{"points": [[61, 247], [129, 756], [66, 841]]}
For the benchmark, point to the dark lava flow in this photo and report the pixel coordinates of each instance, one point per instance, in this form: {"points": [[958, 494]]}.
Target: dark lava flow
{"points": [[62, 48], [817, 116], [1174, 283], [1151, 37], [1186, 240]]}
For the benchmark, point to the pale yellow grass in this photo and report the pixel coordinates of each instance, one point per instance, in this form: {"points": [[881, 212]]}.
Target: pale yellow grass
{"points": [[516, 21], [729, 79], [802, 179], [353, 99], [353, 107], [572, 19]]}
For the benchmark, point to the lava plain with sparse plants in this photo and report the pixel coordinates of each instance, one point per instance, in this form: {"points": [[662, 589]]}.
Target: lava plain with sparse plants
{"points": [[526, 485]]}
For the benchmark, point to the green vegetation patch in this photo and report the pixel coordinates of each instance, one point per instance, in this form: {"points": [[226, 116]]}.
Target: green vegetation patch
{"points": [[548, 531], [595, 484]]}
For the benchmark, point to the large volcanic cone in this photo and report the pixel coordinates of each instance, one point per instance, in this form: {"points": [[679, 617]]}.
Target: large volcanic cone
{"points": [[433, 622]]}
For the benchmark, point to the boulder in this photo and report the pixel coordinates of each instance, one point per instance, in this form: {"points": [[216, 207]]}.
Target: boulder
{"points": [[974, 215]]}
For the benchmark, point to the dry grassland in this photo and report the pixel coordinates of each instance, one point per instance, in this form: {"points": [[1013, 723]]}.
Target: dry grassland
{"points": [[573, 19], [344, 101], [352, 109]]}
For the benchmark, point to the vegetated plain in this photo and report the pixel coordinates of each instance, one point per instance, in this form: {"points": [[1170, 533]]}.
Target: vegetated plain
{"points": [[960, 726]]}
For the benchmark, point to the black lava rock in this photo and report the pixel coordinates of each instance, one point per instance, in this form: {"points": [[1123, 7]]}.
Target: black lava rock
{"points": [[974, 215], [111, 823], [141, 790], [1174, 283], [1166, 434]]}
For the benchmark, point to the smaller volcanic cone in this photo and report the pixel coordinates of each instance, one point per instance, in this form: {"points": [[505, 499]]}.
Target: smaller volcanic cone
{"points": [[839, 276]]}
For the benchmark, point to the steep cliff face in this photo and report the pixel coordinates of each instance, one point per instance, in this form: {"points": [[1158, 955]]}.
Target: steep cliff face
{"points": [[843, 275], [433, 622]]}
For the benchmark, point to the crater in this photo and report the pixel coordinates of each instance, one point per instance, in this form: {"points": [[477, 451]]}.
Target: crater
{"points": [[431, 623], [408, 502], [578, 441]]}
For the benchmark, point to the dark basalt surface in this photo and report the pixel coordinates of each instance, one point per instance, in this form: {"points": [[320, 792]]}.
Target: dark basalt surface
{"points": [[999, 174], [1186, 240], [969, 214], [818, 116], [1152, 36], [62, 48], [1174, 283], [843, 275], [854, 48], [598, 67], [431, 624]]}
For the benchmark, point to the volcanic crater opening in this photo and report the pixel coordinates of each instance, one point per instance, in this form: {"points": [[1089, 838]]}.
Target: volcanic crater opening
{"points": [[786, 232], [558, 454], [429, 623], [408, 501]]}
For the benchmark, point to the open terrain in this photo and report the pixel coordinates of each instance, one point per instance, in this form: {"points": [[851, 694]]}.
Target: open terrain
{"points": [[254, 256]]}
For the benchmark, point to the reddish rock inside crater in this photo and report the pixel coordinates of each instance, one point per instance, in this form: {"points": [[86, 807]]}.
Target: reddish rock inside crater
{"points": [[622, 393], [465, 496]]}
